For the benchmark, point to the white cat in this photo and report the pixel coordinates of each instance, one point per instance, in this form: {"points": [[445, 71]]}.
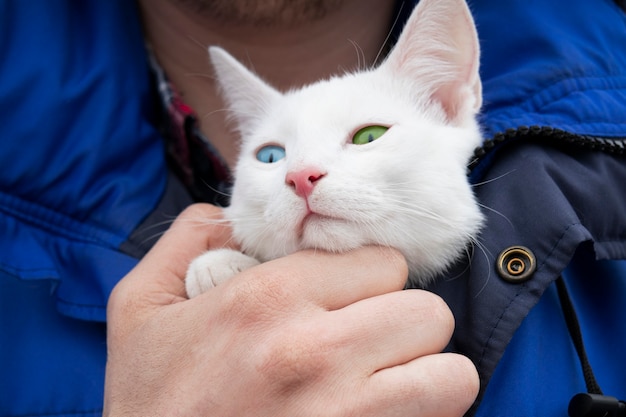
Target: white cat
{"points": [[372, 157]]}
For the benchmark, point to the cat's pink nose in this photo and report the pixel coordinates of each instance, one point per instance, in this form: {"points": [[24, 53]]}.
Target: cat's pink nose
{"points": [[303, 181]]}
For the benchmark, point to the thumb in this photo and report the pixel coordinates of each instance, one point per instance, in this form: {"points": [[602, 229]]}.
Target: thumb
{"points": [[158, 279], [197, 229]]}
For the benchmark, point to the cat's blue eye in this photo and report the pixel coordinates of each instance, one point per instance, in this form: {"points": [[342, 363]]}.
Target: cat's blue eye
{"points": [[270, 153], [368, 134]]}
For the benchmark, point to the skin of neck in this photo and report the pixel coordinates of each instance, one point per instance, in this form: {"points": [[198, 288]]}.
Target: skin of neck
{"points": [[287, 56]]}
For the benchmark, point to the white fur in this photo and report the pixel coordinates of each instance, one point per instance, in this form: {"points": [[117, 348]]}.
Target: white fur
{"points": [[406, 190]]}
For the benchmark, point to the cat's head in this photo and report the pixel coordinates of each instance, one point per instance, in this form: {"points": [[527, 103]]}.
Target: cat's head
{"points": [[372, 157]]}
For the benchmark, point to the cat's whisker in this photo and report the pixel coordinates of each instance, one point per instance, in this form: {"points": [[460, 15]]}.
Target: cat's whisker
{"points": [[143, 230], [478, 184], [200, 75], [160, 225], [381, 51], [215, 190], [384, 236], [154, 237], [229, 241], [488, 254], [412, 211], [199, 222], [169, 221], [469, 253], [476, 243], [211, 113], [197, 42], [379, 238], [498, 213], [360, 55]]}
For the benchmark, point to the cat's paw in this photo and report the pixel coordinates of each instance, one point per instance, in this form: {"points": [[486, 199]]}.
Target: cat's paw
{"points": [[214, 267]]}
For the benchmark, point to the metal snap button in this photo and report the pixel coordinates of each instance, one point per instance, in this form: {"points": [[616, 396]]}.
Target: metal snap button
{"points": [[516, 264]]}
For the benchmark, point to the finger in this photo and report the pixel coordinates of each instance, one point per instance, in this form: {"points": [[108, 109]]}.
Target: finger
{"points": [[198, 228], [332, 281], [418, 323], [159, 278], [439, 385]]}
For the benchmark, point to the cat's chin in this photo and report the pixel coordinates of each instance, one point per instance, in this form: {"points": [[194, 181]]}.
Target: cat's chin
{"points": [[328, 233], [315, 223]]}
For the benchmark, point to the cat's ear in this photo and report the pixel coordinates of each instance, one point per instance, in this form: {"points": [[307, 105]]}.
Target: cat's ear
{"points": [[439, 51], [247, 95]]}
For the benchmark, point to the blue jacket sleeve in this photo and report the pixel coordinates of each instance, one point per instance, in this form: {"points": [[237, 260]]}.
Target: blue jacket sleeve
{"points": [[81, 166]]}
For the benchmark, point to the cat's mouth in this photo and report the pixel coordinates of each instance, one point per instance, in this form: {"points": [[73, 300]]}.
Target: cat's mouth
{"points": [[316, 223]]}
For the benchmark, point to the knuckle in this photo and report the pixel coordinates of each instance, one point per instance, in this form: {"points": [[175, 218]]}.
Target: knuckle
{"points": [[257, 295], [292, 360], [468, 373], [459, 375], [398, 261], [118, 300], [121, 311], [392, 261], [439, 313], [237, 303]]}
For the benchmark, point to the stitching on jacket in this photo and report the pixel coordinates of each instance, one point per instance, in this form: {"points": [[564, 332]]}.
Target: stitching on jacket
{"points": [[56, 223]]}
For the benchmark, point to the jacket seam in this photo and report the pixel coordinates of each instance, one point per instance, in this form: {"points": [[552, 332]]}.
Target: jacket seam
{"points": [[537, 100], [43, 273], [56, 223]]}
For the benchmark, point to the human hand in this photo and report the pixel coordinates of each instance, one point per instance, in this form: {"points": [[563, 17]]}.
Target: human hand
{"points": [[311, 334]]}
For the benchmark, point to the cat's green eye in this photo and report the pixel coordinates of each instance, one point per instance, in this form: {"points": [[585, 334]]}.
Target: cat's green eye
{"points": [[368, 134]]}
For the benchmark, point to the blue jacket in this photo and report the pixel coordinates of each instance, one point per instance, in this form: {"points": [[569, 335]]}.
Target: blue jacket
{"points": [[84, 180], [81, 168]]}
